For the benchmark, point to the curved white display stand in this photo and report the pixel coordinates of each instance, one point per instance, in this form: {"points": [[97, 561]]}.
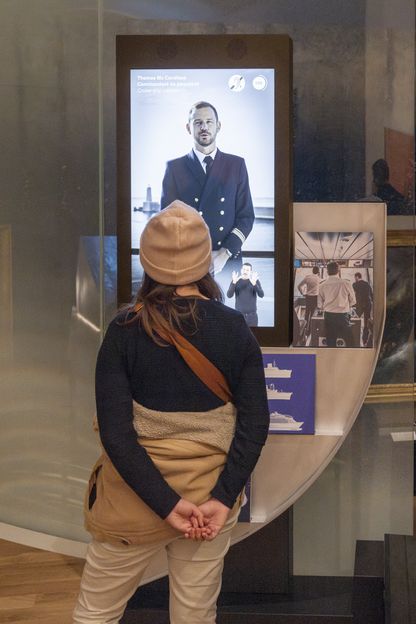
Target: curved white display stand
{"points": [[290, 463]]}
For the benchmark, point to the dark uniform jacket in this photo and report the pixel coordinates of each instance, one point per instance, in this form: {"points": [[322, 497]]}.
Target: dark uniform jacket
{"points": [[222, 197], [363, 293]]}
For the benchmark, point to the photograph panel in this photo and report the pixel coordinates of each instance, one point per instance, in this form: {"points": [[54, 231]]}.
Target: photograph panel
{"points": [[333, 289]]}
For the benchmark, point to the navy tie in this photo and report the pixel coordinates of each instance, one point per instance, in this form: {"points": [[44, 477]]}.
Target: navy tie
{"points": [[208, 160]]}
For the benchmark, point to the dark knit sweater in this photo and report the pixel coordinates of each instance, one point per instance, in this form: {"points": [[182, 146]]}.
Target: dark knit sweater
{"points": [[245, 295], [132, 366]]}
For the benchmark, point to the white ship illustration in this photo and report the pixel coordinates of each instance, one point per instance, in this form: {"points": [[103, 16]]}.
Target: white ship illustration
{"points": [[275, 393], [284, 422], [272, 370]]}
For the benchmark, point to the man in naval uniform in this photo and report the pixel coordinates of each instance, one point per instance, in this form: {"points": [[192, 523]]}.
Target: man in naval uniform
{"points": [[216, 184]]}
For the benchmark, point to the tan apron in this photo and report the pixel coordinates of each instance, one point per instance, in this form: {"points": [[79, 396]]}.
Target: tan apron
{"points": [[119, 515], [113, 512]]}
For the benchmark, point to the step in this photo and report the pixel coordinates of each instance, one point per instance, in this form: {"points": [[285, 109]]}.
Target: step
{"points": [[368, 583], [314, 600], [400, 579], [307, 600]]}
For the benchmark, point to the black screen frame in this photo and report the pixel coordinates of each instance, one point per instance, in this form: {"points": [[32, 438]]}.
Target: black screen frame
{"points": [[213, 52]]}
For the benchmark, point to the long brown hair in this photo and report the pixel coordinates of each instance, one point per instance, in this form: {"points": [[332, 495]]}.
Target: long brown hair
{"points": [[159, 306]]}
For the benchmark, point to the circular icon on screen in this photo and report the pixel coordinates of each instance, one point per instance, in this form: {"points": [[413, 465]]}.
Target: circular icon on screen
{"points": [[237, 82], [259, 83]]}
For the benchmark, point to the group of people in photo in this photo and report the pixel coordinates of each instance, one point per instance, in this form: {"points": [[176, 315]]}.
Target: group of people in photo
{"points": [[329, 306]]}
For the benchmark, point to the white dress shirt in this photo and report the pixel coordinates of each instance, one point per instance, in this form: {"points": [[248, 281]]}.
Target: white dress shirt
{"points": [[201, 157], [336, 295]]}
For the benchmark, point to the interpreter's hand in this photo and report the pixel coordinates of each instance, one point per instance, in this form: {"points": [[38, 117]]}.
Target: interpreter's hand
{"points": [[219, 259], [254, 277], [235, 277], [215, 516], [186, 518]]}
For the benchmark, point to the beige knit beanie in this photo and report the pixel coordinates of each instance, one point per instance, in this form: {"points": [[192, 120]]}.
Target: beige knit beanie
{"points": [[175, 246]]}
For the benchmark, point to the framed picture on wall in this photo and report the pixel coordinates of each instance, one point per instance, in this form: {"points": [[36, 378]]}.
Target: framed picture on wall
{"points": [[393, 379], [181, 99]]}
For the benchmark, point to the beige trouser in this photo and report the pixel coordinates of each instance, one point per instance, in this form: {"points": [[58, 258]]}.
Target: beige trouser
{"points": [[113, 572]]}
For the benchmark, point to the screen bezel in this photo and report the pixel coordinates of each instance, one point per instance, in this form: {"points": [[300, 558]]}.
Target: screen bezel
{"points": [[216, 52]]}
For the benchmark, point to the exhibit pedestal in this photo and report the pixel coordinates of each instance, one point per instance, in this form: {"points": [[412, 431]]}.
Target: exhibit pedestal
{"points": [[259, 588]]}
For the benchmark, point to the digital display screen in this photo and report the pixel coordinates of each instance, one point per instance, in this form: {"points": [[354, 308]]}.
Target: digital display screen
{"points": [[177, 118]]}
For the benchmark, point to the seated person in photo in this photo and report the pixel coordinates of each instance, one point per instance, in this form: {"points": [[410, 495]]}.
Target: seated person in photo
{"points": [[396, 204], [336, 298], [246, 288]]}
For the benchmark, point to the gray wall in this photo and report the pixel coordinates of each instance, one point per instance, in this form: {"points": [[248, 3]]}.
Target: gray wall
{"points": [[58, 194]]}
